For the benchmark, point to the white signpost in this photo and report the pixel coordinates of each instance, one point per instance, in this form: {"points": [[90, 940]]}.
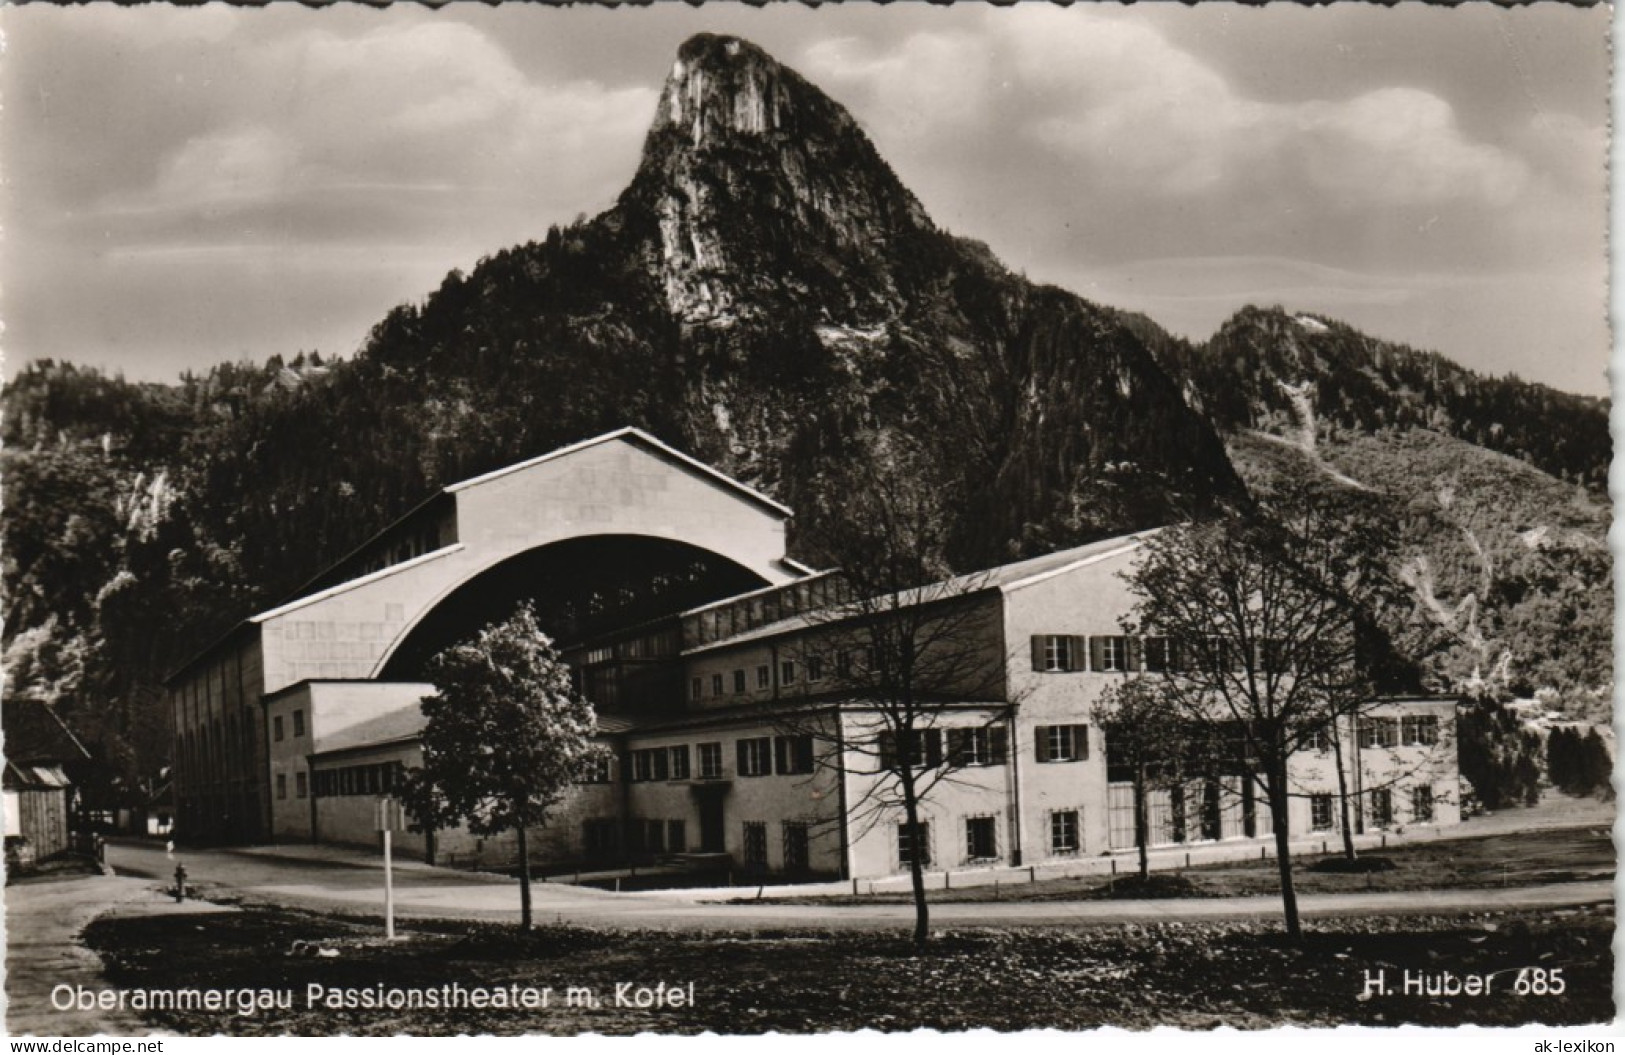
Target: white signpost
{"points": [[387, 820]]}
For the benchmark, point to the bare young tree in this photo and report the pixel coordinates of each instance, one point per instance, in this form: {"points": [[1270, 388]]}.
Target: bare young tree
{"points": [[909, 667], [1148, 740], [1276, 629]]}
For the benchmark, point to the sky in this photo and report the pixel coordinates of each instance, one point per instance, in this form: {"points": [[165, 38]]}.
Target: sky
{"points": [[187, 186]]}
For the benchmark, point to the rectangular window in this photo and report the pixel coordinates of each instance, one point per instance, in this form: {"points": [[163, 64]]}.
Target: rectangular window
{"points": [[1159, 654], [282, 785], [1419, 730], [1422, 803], [696, 688], [299, 723], [1273, 656], [1061, 743], [755, 756], [301, 785], [815, 668], [1320, 739], [598, 839], [843, 664], [981, 839], [276, 727], [654, 836], [1108, 653], [1063, 832], [710, 761], [650, 764], [1382, 808], [793, 754], [1058, 652], [787, 672], [739, 681], [797, 848], [1320, 813], [912, 840], [1379, 732], [597, 770], [924, 748], [986, 746], [716, 684], [764, 677], [678, 769], [677, 837], [755, 849]]}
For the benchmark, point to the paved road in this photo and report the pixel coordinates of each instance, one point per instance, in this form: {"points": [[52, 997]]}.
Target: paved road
{"points": [[43, 921], [421, 891]]}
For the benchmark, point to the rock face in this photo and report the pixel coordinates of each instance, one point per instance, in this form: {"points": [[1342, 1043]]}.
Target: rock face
{"points": [[768, 295], [761, 185], [787, 252]]}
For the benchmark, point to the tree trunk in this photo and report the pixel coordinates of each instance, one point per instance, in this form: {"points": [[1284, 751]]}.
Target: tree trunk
{"points": [[1343, 793], [916, 867], [1142, 824], [1283, 853], [524, 879]]}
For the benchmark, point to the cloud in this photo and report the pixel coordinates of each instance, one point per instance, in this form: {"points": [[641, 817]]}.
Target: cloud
{"points": [[1118, 112], [421, 106]]}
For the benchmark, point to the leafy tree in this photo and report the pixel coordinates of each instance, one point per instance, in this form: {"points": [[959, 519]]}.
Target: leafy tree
{"points": [[507, 736], [1499, 755]]}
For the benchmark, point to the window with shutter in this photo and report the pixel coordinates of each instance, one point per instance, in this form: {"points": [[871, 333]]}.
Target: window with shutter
{"points": [[1061, 743], [1058, 652], [886, 749], [793, 754], [998, 745], [933, 747]]}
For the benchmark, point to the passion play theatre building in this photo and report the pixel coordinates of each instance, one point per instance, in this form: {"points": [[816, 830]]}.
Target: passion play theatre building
{"points": [[666, 585]]}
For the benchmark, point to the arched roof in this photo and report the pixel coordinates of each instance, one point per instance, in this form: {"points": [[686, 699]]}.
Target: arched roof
{"points": [[623, 485]]}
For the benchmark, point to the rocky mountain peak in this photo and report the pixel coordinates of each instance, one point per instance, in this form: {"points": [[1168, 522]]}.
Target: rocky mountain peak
{"points": [[748, 166], [723, 86]]}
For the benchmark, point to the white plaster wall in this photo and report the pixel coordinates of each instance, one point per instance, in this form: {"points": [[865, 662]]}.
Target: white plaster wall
{"points": [[615, 487]]}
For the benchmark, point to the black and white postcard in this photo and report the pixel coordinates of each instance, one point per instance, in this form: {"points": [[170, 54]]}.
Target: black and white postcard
{"points": [[535, 520]]}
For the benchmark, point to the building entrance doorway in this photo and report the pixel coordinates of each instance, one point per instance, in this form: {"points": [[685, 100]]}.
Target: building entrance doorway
{"points": [[712, 837]]}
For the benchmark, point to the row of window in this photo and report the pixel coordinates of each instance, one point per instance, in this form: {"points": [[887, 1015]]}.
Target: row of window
{"points": [[1411, 730], [1378, 805], [380, 778], [761, 756], [982, 838], [301, 785], [810, 669], [756, 756], [796, 841], [982, 746], [1121, 653], [298, 725]]}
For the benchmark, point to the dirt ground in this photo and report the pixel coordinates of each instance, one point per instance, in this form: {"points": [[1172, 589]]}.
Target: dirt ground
{"points": [[1191, 975]]}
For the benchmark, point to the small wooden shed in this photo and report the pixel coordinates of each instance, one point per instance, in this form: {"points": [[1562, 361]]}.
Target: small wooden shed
{"points": [[38, 792]]}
